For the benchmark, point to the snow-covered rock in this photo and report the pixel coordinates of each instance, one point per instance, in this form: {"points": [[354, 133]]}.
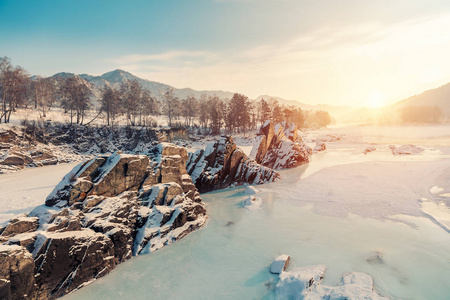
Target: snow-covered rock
{"points": [[354, 286], [251, 190], [280, 264], [222, 164], [105, 211], [305, 283], [406, 149], [297, 283], [320, 146], [279, 146], [251, 202], [369, 149]]}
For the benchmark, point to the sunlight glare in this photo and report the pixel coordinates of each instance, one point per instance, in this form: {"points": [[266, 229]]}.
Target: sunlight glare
{"points": [[376, 100]]}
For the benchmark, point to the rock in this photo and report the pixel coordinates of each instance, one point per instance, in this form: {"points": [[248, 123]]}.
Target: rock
{"points": [[376, 258], [13, 160], [305, 283], [279, 146], [68, 259], [252, 202], [369, 149], [280, 264], [20, 225], [320, 146], [251, 190], [222, 164], [355, 286], [406, 149], [16, 273], [296, 284], [104, 211]]}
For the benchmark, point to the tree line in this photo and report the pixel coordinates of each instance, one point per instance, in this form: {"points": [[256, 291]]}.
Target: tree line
{"points": [[132, 102]]}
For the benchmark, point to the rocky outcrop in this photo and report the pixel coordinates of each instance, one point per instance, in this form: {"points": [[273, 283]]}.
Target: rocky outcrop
{"points": [[279, 146], [305, 283], [16, 273], [102, 213], [280, 264], [20, 149], [222, 164]]}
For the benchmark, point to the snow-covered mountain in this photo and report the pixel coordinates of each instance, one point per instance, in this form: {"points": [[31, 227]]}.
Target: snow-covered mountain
{"points": [[117, 77]]}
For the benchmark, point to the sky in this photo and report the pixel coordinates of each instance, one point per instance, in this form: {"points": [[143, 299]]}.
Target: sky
{"points": [[338, 52]]}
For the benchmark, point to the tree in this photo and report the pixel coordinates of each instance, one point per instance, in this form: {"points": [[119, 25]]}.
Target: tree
{"points": [[238, 114], [75, 98], [203, 111], [14, 82], [110, 103], [131, 95], [266, 112], [147, 106], [44, 94], [189, 108], [171, 105], [216, 113], [277, 114]]}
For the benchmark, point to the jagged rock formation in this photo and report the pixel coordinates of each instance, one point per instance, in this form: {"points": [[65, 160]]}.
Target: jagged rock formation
{"points": [[102, 213], [18, 150], [279, 146], [222, 164], [305, 283]]}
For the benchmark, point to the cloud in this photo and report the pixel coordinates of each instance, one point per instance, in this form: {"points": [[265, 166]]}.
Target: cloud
{"points": [[324, 66], [164, 56]]}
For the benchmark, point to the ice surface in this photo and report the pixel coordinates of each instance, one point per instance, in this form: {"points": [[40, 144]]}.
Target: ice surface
{"points": [[23, 191], [338, 211]]}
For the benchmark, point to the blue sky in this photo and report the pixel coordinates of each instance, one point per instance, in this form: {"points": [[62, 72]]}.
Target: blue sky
{"points": [[335, 52]]}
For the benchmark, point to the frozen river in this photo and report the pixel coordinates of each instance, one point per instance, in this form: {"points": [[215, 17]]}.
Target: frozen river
{"points": [[341, 210]]}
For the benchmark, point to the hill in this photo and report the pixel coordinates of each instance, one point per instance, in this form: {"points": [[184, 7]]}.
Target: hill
{"points": [[117, 77], [435, 97]]}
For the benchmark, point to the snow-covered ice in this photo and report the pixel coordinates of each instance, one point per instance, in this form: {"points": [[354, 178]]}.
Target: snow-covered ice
{"points": [[336, 211], [22, 191]]}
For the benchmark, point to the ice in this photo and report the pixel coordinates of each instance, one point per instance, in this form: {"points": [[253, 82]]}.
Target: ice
{"points": [[251, 190], [23, 191], [336, 211]]}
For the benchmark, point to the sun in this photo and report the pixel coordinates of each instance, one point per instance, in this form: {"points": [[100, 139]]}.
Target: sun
{"points": [[376, 100]]}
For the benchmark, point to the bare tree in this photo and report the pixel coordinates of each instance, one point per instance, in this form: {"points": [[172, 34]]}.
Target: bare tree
{"points": [[76, 98], [13, 87], [110, 103], [189, 108], [170, 105]]}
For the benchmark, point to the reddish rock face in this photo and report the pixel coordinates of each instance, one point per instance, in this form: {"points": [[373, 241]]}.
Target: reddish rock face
{"points": [[279, 146], [222, 164]]}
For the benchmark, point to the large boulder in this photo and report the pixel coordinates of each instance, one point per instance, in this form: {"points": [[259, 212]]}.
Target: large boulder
{"points": [[279, 146], [102, 213], [222, 164], [66, 260], [16, 273]]}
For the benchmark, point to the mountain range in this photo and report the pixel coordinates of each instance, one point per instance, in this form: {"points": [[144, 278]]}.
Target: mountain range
{"points": [[434, 97]]}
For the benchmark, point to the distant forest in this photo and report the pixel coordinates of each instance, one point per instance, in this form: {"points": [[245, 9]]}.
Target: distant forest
{"points": [[133, 105]]}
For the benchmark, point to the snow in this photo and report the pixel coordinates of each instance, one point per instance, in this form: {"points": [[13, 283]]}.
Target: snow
{"points": [[337, 211], [294, 284], [251, 202], [251, 190], [279, 264], [23, 191]]}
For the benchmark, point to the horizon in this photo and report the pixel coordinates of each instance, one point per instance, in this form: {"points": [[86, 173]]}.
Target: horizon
{"points": [[359, 54]]}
